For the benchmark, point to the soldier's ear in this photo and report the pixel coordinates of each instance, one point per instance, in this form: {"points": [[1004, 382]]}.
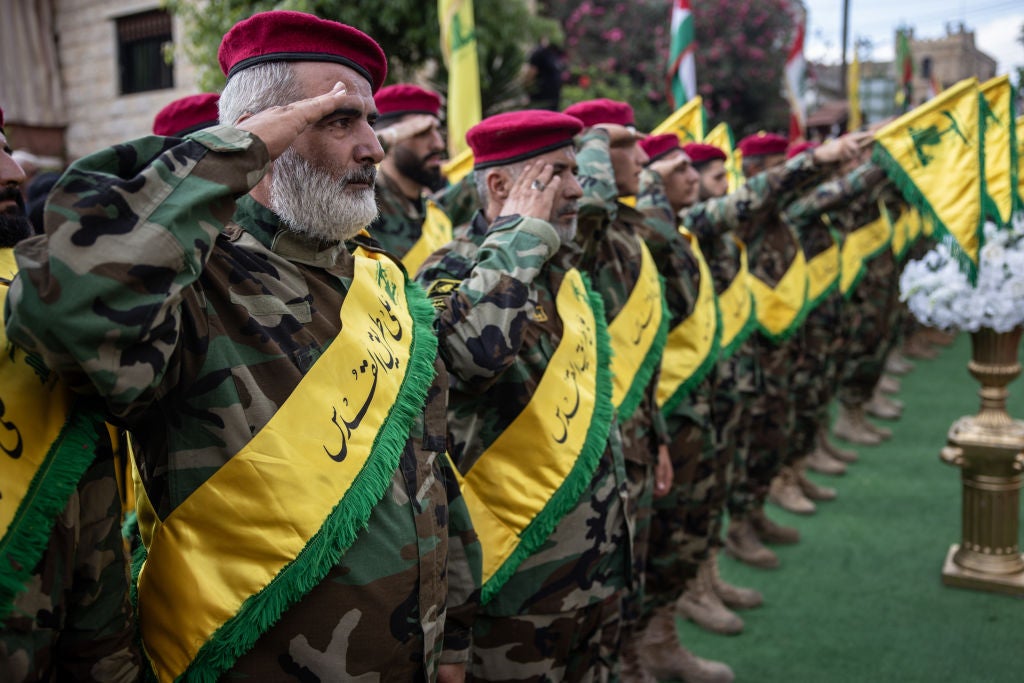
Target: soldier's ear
{"points": [[499, 184]]}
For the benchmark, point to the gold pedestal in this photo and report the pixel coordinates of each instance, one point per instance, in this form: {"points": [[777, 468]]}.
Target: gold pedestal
{"points": [[989, 450]]}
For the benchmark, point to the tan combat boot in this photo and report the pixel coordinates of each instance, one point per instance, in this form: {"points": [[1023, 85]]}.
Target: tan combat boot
{"points": [[917, 346], [896, 364], [700, 604], [812, 490], [852, 426], [630, 669], [743, 543], [822, 462], [660, 653], [845, 455], [735, 597], [771, 532], [785, 492], [889, 385], [883, 407]]}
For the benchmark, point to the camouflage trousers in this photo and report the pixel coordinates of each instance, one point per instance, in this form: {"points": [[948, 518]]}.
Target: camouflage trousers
{"points": [[640, 482], [815, 372], [582, 645], [772, 418], [871, 325], [680, 526]]}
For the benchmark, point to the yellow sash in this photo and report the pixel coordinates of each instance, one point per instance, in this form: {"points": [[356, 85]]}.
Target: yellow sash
{"points": [[736, 306], [822, 274], [273, 520], [638, 337], [780, 309], [860, 246], [692, 346], [44, 450], [535, 471], [436, 232]]}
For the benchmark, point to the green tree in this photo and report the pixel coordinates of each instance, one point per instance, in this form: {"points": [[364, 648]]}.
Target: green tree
{"points": [[406, 29]]}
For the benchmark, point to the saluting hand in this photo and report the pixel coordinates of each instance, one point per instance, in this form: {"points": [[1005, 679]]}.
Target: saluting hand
{"points": [[842, 148], [278, 127], [533, 193]]}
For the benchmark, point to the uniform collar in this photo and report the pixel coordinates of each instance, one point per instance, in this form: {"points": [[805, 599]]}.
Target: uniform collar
{"points": [[266, 227]]}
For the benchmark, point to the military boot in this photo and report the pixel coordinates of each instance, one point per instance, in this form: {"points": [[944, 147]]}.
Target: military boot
{"points": [[700, 604], [735, 597], [630, 668], [822, 462], [743, 543], [889, 384], [852, 426], [841, 454], [883, 407], [896, 364], [785, 492], [917, 346], [660, 653], [770, 532], [883, 433], [812, 490]]}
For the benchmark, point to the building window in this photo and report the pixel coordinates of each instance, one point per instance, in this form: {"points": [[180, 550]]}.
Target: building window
{"points": [[141, 39]]}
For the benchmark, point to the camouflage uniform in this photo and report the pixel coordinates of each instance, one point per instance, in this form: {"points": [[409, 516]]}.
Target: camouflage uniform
{"points": [[680, 536], [74, 622], [400, 221], [872, 308], [494, 288], [459, 201], [608, 233], [203, 316], [820, 340]]}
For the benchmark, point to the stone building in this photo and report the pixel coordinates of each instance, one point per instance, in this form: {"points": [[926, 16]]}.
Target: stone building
{"points": [[80, 75], [950, 58]]}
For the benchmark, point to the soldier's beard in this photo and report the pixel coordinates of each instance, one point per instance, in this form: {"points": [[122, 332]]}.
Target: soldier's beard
{"points": [[416, 169], [316, 201], [14, 224]]}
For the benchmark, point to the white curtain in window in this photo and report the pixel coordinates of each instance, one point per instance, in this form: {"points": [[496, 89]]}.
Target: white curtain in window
{"points": [[31, 90]]}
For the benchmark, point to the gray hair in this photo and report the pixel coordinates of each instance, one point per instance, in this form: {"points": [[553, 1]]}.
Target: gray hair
{"points": [[480, 178], [271, 84]]}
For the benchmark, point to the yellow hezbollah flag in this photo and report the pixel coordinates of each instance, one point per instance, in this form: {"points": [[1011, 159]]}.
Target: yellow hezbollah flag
{"points": [[458, 167], [853, 94], [721, 137], [458, 45], [689, 122], [933, 154], [997, 126]]}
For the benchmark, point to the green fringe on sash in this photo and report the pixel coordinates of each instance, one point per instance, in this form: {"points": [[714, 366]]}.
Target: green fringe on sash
{"points": [[744, 334], [66, 461], [651, 362], [701, 371], [1017, 201], [863, 269], [261, 611], [568, 494], [901, 179], [813, 303]]}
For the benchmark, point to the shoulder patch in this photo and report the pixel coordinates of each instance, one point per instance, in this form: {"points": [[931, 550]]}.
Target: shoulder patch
{"points": [[443, 287]]}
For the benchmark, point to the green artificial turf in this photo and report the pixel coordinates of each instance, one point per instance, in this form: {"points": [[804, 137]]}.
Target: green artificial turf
{"points": [[860, 598]]}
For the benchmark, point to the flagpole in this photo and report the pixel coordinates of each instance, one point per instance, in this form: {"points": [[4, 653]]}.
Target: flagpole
{"points": [[846, 30]]}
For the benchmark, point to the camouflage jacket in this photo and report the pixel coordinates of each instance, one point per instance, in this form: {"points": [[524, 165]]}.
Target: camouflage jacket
{"points": [[753, 214], [494, 289], [607, 234], [459, 201], [400, 221], [195, 315], [74, 621], [804, 214]]}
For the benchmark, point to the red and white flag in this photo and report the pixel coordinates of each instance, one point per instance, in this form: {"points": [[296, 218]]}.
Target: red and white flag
{"points": [[795, 73]]}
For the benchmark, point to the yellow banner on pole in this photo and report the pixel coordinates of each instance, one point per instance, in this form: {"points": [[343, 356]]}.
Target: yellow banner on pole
{"points": [[458, 45], [998, 129], [689, 122], [933, 154]]}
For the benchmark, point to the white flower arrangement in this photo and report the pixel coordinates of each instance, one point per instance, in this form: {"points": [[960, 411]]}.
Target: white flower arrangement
{"points": [[939, 294]]}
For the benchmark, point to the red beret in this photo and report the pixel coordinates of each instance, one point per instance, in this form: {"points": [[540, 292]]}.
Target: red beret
{"points": [[763, 144], [516, 135], [284, 36], [700, 152], [799, 147], [594, 112], [401, 99], [187, 115], [658, 146]]}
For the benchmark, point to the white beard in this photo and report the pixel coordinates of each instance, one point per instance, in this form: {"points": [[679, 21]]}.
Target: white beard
{"points": [[313, 201]]}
